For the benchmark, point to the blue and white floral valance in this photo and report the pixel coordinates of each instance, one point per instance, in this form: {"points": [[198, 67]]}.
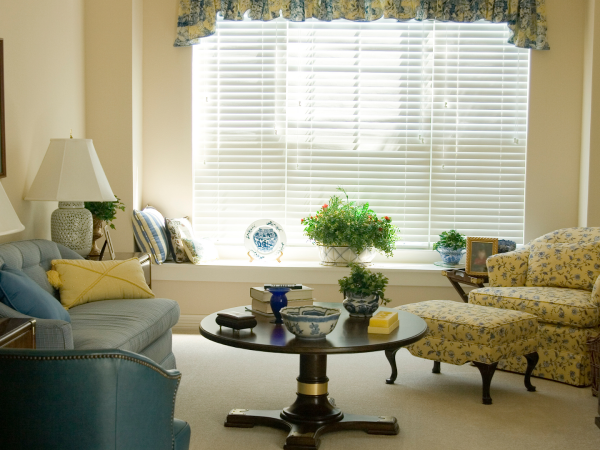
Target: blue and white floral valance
{"points": [[525, 18]]}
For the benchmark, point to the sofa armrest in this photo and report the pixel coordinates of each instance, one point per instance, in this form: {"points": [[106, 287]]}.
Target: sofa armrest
{"points": [[53, 335], [509, 269]]}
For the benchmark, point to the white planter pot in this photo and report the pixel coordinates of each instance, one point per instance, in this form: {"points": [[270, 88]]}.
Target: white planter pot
{"points": [[341, 256]]}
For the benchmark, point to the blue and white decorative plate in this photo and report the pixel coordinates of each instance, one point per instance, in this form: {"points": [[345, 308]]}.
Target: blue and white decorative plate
{"points": [[265, 239]]}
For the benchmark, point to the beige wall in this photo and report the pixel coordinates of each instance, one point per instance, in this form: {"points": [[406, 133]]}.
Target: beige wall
{"points": [[589, 182], [113, 94], [44, 87], [554, 133], [167, 113]]}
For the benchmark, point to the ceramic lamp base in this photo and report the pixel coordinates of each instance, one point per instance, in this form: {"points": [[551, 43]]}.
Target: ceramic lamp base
{"points": [[71, 226]]}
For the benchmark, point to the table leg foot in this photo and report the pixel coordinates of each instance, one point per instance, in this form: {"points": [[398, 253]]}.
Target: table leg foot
{"points": [[487, 372], [391, 357], [247, 418], [532, 360]]}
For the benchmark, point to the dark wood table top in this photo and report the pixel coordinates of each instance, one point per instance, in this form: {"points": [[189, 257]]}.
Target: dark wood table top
{"points": [[349, 336]]}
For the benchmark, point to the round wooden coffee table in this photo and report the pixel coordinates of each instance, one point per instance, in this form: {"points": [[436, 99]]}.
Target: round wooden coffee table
{"points": [[314, 413]]}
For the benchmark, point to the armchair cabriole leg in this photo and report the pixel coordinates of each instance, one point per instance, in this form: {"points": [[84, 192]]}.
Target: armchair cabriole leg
{"points": [[437, 367], [532, 360], [487, 372], [391, 357]]}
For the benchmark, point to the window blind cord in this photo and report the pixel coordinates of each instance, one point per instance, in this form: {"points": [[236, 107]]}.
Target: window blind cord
{"points": [[431, 124]]}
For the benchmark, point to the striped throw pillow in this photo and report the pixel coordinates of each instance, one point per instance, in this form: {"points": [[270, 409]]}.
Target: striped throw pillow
{"points": [[150, 233]]}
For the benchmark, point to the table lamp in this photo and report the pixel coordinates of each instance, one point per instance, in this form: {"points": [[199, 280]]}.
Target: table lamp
{"points": [[9, 222], [71, 174]]}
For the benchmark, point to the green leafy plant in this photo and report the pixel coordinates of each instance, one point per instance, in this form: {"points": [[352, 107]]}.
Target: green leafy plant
{"points": [[363, 282], [451, 239], [342, 223], [105, 211]]}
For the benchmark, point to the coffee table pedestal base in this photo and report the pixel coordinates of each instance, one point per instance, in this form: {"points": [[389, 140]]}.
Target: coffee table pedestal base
{"points": [[306, 436], [313, 413]]}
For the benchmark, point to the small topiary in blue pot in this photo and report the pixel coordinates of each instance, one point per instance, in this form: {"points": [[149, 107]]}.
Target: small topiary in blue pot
{"points": [[362, 291], [451, 246], [450, 255]]}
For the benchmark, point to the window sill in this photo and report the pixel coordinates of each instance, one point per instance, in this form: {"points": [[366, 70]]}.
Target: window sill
{"points": [[306, 272]]}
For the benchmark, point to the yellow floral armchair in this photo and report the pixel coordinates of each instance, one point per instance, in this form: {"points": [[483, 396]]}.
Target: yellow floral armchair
{"points": [[556, 278]]}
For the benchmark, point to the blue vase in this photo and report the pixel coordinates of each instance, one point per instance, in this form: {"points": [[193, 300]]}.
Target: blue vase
{"points": [[449, 255], [278, 301]]}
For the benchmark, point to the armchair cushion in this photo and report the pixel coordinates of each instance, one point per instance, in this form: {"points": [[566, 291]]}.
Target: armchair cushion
{"points": [[574, 307], [574, 266], [24, 295]]}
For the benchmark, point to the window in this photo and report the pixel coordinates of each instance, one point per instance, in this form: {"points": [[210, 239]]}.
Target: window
{"points": [[424, 120]]}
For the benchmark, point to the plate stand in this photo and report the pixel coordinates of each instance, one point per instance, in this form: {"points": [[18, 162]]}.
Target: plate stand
{"points": [[313, 413]]}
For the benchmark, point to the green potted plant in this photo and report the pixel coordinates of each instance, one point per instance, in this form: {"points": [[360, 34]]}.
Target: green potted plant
{"points": [[451, 246], [103, 212], [348, 232], [363, 290]]}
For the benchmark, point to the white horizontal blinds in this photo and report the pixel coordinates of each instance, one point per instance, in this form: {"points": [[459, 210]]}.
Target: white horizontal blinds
{"points": [[356, 118], [479, 131], [240, 152], [425, 121]]}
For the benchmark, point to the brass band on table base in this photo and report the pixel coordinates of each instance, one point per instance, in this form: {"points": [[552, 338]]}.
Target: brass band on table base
{"points": [[312, 389]]}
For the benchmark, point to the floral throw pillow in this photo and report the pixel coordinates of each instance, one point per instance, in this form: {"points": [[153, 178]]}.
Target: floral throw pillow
{"points": [[200, 250], [574, 266], [179, 229]]}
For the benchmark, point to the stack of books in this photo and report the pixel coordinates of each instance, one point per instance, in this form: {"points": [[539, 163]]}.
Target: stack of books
{"points": [[261, 299]]}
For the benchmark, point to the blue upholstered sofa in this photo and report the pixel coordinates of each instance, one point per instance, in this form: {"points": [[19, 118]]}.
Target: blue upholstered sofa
{"points": [[141, 326]]}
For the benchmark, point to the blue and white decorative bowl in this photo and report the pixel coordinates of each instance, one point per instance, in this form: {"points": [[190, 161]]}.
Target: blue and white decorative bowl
{"points": [[450, 255], [505, 246], [310, 322], [360, 305]]}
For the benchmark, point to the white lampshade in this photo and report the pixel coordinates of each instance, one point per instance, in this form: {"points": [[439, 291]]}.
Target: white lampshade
{"points": [[71, 172], [9, 222]]}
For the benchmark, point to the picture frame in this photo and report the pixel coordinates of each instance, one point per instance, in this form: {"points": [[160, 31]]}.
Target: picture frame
{"points": [[2, 115], [479, 249], [109, 244]]}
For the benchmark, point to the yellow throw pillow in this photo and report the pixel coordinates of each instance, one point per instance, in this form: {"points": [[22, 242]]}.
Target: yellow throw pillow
{"points": [[83, 281], [574, 266]]}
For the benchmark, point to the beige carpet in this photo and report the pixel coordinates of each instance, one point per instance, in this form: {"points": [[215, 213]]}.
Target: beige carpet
{"points": [[434, 411]]}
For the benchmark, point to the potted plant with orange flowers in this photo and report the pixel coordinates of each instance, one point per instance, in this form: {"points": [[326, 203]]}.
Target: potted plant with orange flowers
{"points": [[347, 232]]}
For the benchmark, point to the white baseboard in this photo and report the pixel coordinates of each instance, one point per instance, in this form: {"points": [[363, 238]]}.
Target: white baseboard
{"points": [[188, 324]]}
